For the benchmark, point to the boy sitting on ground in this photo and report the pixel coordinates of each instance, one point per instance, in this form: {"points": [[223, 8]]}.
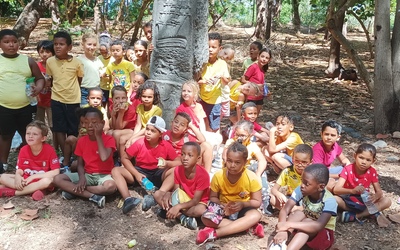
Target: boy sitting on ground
{"points": [[94, 151], [36, 166]]}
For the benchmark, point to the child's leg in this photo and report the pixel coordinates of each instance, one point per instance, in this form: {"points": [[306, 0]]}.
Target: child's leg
{"points": [[281, 161], [167, 185], [196, 211], [5, 146], [228, 227], [8, 180], [60, 138], [106, 186], [65, 183], [341, 204], [69, 148], [300, 238], [381, 205], [40, 113], [122, 177], [34, 186], [206, 155]]}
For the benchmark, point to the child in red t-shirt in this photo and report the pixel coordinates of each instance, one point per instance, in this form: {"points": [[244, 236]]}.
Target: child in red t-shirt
{"points": [[36, 166], [155, 160], [94, 151], [191, 189], [179, 134]]}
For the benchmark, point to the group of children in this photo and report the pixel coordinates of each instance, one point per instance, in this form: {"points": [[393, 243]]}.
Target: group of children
{"points": [[119, 139]]}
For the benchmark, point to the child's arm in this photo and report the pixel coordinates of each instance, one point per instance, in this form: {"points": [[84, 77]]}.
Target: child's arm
{"points": [[126, 162], [104, 152], [378, 192], [81, 185], [283, 214], [174, 211], [261, 137], [272, 147], [138, 126], [49, 174], [200, 137], [132, 77], [339, 188], [214, 197], [39, 78], [119, 121], [171, 164], [343, 159], [308, 227], [280, 197], [262, 163], [19, 179]]}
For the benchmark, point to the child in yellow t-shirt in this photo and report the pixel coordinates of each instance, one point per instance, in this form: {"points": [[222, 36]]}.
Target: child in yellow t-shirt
{"points": [[106, 58], [234, 198]]}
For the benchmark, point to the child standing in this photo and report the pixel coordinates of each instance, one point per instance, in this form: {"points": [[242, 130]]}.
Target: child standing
{"points": [[357, 178], [236, 192], [315, 225], [120, 72], [95, 150], [36, 166], [141, 62], [106, 58], [191, 188], [92, 66], [213, 79], [255, 48], [15, 111], [282, 142], [256, 73], [66, 94], [290, 177]]}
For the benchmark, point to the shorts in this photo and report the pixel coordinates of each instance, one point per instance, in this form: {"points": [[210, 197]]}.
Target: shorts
{"points": [[213, 112], [65, 119], [335, 170], [215, 213], [354, 202], [91, 179], [225, 109], [257, 102], [84, 96], [106, 95], [154, 175], [12, 120], [288, 158], [323, 240]]}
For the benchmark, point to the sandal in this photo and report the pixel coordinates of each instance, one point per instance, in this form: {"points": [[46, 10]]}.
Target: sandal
{"points": [[348, 216]]}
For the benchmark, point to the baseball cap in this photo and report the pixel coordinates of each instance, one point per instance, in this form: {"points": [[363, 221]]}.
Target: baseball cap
{"points": [[157, 122]]}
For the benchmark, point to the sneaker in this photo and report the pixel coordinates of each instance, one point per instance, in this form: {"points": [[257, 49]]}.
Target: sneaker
{"points": [[205, 235], [7, 192], [64, 169], [100, 200], [258, 230], [129, 204], [148, 202], [38, 195], [269, 211], [162, 213], [67, 196], [398, 201], [188, 222], [348, 216], [281, 246]]}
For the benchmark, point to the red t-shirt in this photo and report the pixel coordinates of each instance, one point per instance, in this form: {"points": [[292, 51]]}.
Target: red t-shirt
{"points": [[256, 75], [31, 164], [200, 182], [147, 157], [130, 115], [88, 150], [177, 145], [191, 112], [44, 99], [257, 127], [353, 180]]}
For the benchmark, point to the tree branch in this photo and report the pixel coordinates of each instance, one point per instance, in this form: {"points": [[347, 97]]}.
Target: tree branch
{"points": [[371, 51]]}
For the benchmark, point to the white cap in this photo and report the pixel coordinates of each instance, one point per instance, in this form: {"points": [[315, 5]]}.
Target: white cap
{"points": [[157, 122]]}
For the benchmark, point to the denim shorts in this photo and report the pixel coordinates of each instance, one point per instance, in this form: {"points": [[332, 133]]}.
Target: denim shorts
{"points": [[213, 112]]}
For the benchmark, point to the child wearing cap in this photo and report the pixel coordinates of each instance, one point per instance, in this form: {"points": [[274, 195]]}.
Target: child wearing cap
{"points": [[154, 160]]}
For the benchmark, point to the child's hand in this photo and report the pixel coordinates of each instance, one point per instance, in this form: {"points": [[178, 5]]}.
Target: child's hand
{"points": [[80, 186], [173, 212], [358, 190], [28, 180], [233, 207], [375, 197], [282, 226], [98, 129], [273, 130], [129, 142], [166, 201], [35, 90], [281, 199], [280, 237], [19, 182], [123, 107], [139, 177]]}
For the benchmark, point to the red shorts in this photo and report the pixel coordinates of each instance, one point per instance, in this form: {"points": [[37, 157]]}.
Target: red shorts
{"points": [[323, 240]]}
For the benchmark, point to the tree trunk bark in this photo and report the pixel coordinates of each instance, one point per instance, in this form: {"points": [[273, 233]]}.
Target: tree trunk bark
{"points": [[55, 15], [97, 16], [28, 19], [260, 31], [296, 14]]}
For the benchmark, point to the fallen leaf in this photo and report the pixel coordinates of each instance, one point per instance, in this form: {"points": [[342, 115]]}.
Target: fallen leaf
{"points": [[31, 212], [5, 212], [57, 202], [27, 217], [382, 136], [394, 217], [382, 221], [8, 205]]}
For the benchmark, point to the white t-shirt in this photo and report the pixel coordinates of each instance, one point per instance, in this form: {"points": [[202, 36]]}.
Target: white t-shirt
{"points": [[91, 69]]}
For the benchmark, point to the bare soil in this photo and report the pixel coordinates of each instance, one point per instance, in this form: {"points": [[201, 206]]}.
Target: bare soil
{"points": [[298, 84]]}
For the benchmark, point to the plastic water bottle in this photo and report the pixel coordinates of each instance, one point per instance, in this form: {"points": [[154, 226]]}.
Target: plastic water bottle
{"points": [[28, 91], [368, 203], [147, 184], [269, 125]]}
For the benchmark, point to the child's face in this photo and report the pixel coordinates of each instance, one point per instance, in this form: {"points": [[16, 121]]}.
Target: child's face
{"points": [[242, 136], [9, 45], [90, 46], [44, 54], [301, 161], [92, 120], [147, 97], [104, 52], [284, 127], [152, 134], [130, 55], [147, 33], [227, 55], [213, 48], [117, 52], [179, 125], [187, 93], [248, 89], [34, 136], [309, 184], [254, 51], [61, 48], [189, 156], [364, 160], [119, 97], [250, 114], [140, 51], [264, 58], [329, 136], [235, 162], [82, 128], [95, 97], [137, 81]]}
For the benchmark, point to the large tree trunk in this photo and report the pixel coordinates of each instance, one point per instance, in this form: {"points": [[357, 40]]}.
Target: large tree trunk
{"points": [[97, 15], [386, 103], [260, 31], [29, 18], [180, 48], [296, 14]]}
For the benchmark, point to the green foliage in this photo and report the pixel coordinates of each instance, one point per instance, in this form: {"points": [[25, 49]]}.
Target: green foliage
{"points": [[239, 12], [312, 13]]}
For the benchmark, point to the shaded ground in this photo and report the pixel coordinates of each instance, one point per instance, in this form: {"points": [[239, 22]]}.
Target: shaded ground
{"points": [[299, 87]]}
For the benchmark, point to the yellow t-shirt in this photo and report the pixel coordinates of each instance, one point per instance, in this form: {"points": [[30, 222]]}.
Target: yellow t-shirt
{"points": [[13, 75], [292, 141], [252, 148], [120, 74], [144, 68], [104, 82], [234, 95], [239, 191], [289, 178], [65, 73], [146, 115], [211, 93]]}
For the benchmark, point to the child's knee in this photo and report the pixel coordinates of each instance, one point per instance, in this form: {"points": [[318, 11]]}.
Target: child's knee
{"points": [[46, 182], [110, 186]]}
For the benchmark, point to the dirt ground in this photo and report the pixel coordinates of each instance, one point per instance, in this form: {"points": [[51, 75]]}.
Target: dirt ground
{"points": [[296, 76]]}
